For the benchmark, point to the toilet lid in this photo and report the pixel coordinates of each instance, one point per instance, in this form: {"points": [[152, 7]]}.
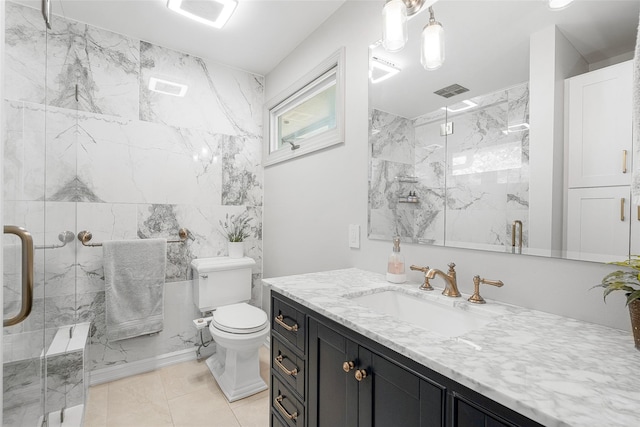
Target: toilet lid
{"points": [[239, 319]]}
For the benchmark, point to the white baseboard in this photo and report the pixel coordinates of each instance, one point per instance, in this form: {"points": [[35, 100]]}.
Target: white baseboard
{"points": [[112, 373]]}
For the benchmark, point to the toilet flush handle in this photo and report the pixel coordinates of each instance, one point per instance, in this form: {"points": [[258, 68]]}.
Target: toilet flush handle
{"points": [[204, 276]]}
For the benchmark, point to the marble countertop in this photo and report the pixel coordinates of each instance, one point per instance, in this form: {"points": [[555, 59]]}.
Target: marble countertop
{"points": [[555, 370]]}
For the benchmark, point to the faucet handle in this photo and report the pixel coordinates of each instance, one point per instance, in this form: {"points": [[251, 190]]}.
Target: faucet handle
{"points": [[451, 266], [416, 268], [476, 298], [426, 286]]}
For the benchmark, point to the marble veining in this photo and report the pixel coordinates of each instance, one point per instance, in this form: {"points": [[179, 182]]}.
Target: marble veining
{"points": [[124, 163], [471, 184], [555, 370], [91, 69]]}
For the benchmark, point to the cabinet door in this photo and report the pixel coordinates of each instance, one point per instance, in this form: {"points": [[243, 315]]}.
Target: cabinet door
{"points": [[468, 415], [599, 127], [635, 227], [390, 396], [333, 393], [598, 223]]}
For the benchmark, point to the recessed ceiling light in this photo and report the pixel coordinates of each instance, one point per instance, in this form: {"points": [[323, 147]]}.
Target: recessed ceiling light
{"points": [[214, 13], [381, 70], [468, 104], [558, 4], [166, 87]]}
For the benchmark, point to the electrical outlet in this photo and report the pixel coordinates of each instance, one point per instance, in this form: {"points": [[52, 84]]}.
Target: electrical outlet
{"points": [[354, 236]]}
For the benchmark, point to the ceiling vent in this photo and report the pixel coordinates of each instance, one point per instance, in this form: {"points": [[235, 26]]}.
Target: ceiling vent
{"points": [[214, 13], [449, 91]]}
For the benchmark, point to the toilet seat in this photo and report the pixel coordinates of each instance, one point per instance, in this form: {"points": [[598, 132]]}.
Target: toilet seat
{"points": [[239, 319]]}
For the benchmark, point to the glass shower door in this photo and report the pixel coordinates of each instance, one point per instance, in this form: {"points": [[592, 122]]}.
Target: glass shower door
{"points": [[24, 208]]}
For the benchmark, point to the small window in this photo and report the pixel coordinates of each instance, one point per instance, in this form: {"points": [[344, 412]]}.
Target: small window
{"points": [[309, 115]]}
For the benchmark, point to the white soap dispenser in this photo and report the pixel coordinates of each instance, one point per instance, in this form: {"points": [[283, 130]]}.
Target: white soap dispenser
{"points": [[395, 268]]}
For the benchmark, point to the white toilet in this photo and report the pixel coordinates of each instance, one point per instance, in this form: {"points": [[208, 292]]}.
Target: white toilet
{"points": [[223, 284]]}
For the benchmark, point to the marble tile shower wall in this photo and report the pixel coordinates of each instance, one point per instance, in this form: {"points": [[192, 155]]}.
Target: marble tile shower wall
{"points": [[471, 185], [123, 162]]}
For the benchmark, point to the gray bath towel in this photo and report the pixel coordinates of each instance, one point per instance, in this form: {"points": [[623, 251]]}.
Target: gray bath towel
{"points": [[134, 272]]}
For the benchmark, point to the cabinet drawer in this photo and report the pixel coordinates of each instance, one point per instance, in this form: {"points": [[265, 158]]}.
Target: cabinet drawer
{"points": [[286, 404], [276, 421], [289, 323], [468, 415], [288, 366]]}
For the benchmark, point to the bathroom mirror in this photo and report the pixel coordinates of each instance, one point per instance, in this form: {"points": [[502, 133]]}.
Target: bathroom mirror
{"points": [[462, 168]]}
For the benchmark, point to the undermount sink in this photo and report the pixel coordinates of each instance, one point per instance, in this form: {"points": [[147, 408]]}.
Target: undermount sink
{"points": [[446, 318]]}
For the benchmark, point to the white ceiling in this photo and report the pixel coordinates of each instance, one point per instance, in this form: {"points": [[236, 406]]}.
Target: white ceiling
{"points": [[487, 47], [259, 35]]}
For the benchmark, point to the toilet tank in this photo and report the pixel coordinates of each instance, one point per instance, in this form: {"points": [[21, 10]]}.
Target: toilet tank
{"points": [[221, 281]]}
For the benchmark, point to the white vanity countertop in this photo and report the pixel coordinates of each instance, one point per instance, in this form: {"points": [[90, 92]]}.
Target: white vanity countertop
{"points": [[555, 370]]}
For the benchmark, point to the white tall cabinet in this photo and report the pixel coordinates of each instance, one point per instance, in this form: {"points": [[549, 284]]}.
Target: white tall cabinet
{"points": [[599, 163]]}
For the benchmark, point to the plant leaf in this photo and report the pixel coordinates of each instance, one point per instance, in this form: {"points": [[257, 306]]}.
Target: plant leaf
{"points": [[633, 296]]}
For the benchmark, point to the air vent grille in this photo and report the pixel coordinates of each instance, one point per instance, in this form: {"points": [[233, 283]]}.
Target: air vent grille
{"points": [[452, 90]]}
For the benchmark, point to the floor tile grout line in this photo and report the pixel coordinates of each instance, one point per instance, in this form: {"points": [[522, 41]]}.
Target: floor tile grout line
{"points": [[164, 393]]}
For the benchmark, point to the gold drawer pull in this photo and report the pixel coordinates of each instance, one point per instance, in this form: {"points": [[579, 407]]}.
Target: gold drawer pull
{"points": [[280, 321], [278, 360], [347, 366], [283, 411], [361, 374], [622, 209], [624, 161]]}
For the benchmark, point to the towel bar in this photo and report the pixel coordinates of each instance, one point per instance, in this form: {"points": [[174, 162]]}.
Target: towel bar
{"points": [[85, 236], [64, 237]]}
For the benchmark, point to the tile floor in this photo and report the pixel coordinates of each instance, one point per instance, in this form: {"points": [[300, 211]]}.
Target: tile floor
{"points": [[181, 395]]}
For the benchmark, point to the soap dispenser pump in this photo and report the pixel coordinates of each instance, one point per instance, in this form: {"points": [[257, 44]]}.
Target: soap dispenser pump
{"points": [[395, 267]]}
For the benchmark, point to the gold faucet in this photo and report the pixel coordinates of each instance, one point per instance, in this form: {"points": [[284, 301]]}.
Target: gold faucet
{"points": [[426, 286], [451, 284]]}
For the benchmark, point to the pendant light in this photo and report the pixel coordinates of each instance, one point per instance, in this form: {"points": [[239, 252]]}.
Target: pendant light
{"points": [[394, 25], [432, 46], [394, 22]]}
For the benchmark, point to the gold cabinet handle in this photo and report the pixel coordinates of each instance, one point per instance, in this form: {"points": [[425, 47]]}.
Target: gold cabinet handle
{"points": [[622, 209], [278, 361], [27, 273], [638, 212], [347, 366], [280, 321], [361, 374], [624, 161], [278, 402]]}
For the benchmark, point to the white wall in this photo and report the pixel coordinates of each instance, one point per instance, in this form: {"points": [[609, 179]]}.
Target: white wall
{"points": [[553, 59], [309, 202]]}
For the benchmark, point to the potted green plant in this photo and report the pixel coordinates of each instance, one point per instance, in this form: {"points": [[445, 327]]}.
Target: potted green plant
{"points": [[627, 281], [236, 229]]}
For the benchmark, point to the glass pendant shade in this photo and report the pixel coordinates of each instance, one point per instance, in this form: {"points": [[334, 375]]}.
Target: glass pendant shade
{"points": [[394, 25], [432, 47]]}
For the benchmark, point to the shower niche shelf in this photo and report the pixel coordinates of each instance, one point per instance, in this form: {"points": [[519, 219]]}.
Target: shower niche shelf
{"points": [[407, 179]]}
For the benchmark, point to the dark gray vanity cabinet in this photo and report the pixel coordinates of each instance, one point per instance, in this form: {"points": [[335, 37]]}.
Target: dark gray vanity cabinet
{"points": [[351, 386], [344, 379], [467, 414]]}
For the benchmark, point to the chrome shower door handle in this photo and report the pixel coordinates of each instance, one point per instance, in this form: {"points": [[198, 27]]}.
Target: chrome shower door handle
{"points": [[46, 12], [27, 274]]}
